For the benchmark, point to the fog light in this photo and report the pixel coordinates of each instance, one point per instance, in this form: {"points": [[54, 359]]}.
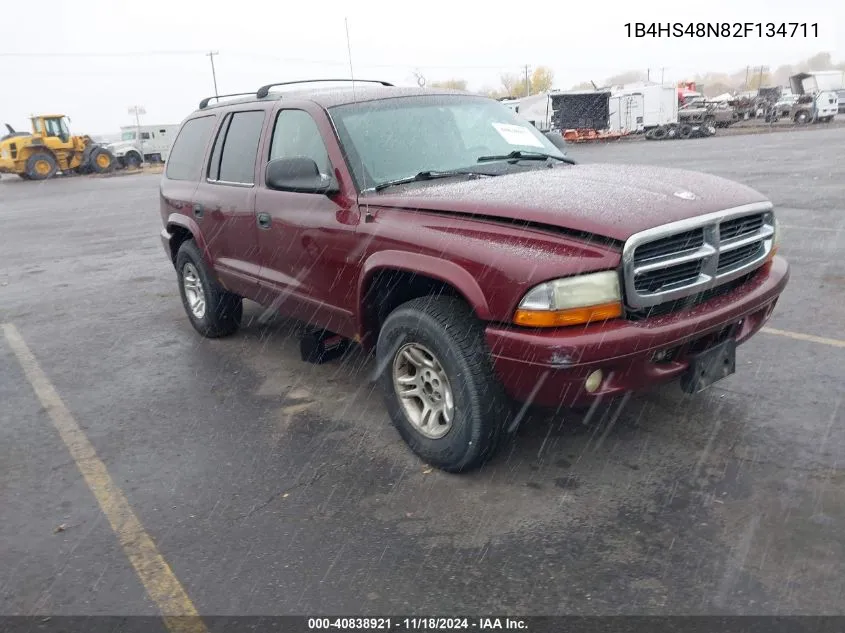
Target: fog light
{"points": [[593, 381]]}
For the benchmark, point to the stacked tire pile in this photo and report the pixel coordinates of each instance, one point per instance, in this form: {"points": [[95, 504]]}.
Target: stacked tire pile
{"points": [[680, 131]]}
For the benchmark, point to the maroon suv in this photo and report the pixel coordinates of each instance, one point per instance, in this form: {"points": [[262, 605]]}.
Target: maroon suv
{"points": [[457, 242]]}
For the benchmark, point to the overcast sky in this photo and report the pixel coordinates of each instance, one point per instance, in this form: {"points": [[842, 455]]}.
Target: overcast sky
{"points": [[46, 64]]}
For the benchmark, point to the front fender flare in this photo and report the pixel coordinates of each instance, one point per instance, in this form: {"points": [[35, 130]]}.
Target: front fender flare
{"points": [[430, 266]]}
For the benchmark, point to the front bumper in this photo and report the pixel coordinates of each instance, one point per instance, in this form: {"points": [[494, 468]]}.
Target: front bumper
{"points": [[549, 367]]}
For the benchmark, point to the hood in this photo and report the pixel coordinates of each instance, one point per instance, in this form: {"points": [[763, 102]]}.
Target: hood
{"points": [[613, 201], [122, 145]]}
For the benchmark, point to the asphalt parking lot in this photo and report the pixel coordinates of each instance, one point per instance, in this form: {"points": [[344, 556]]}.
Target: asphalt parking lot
{"points": [[269, 486]]}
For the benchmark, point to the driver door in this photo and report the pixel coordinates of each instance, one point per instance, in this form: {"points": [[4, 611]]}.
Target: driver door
{"points": [[305, 239]]}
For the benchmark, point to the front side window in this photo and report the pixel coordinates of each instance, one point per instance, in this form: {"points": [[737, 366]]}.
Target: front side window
{"points": [[185, 160], [398, 138], [145, 136], [236, 148], [296, 135], [53, 127]]}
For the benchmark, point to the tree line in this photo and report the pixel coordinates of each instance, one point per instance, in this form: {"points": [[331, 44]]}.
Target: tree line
{"points": [[541, 79]]}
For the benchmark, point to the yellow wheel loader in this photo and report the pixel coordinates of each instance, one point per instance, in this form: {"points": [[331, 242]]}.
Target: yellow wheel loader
{"points": [[50, 148]]}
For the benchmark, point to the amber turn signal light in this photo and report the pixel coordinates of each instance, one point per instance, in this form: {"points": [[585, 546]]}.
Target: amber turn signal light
{"points": [[571, 316]]}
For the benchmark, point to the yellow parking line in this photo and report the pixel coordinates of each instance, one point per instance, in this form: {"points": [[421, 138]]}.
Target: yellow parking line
{"points": [[180, 614], [805, 337]]}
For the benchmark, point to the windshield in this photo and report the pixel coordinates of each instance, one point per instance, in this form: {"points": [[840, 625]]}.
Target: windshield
{"points": [[397, 138], [127, 136]]}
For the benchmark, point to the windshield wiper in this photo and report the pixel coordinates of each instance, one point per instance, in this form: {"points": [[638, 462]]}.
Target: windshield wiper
{"points": [[425, 175], [521, 155]]}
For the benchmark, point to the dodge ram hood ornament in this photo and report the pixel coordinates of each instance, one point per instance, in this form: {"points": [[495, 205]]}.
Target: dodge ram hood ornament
{"points": [[685, 195]]}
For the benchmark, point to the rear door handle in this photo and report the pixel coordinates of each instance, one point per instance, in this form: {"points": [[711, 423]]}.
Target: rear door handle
{"points": [[198, 210], [264, 220]]}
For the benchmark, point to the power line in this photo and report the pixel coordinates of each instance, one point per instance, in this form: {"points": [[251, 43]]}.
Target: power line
{"points": [[254, 55], [102, 54]]}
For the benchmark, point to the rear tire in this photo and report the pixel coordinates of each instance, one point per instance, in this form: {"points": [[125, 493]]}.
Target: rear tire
{"points": [[220, 311], [659, 133], [436, 346], [802, 117], [685, 131], [41, 166]]}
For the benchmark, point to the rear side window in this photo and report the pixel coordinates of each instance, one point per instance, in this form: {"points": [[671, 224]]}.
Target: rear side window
{"points": [[185, 161], [236, 148]]}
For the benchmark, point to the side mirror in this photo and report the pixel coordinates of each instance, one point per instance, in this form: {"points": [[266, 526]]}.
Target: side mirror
{"points": [[300, 175]]}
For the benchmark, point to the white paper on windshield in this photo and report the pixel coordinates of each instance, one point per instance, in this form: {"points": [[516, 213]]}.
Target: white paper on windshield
{"points": [[517, 135]]}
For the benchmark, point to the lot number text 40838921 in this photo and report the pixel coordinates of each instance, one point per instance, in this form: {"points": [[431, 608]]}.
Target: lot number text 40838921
{"points": [[417, 624], [722, 29]]}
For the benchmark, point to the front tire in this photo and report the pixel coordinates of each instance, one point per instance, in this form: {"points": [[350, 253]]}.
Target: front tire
{"points": [[101, 160], [132, 160], [439, 385], [212, 310]]}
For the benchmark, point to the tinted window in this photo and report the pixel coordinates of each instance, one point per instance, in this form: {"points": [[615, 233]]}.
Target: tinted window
{"points": [[145, 136], [188, 150], [240, 147], [296, 135]]}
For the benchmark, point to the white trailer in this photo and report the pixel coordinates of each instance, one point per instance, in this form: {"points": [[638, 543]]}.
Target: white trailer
{"points": [[627, 112], [153, 146], [659, 105], [537, 110]]}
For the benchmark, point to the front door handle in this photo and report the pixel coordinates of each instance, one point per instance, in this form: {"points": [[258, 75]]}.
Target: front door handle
{"points": [[264, 220], [198, 210]]}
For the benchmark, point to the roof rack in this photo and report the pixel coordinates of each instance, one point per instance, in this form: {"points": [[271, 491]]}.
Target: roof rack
{"points": [[204, 103], [263, 91]]}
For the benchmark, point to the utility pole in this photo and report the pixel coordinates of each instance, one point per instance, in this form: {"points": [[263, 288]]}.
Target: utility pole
{"points": [[527, 83], [747, 70], [760, 81], [211, 55], [138, 110]]}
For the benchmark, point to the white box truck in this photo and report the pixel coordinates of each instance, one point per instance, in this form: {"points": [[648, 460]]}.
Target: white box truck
{"points": [[153, 146], [653, 105], [627, 113]]}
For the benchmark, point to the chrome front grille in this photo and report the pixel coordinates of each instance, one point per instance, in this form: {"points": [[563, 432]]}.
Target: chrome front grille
{"points": [[691, 256]]}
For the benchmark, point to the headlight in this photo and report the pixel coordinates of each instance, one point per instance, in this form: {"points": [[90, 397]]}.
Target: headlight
{"points": [[571, 301]]}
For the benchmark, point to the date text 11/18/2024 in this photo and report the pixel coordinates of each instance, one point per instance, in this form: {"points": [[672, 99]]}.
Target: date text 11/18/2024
{"points": [[722, 29], [417, 624]]}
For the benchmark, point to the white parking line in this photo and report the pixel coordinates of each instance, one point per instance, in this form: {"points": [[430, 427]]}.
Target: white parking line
{"points": [[804, 337]]}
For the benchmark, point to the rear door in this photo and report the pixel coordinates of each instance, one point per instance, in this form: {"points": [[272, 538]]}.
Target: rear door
{"points": [[185, 168], [224, 200]]}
